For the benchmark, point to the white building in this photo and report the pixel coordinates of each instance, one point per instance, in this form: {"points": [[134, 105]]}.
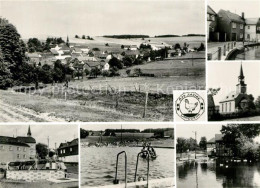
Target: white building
{"points": [[250, 29]]}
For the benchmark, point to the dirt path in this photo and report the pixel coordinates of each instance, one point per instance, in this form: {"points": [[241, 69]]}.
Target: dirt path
{"points": [[10, 113]]}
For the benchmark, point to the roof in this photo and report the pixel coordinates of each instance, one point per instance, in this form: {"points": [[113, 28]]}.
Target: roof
{"points": [[12, 141], [232, 16], [26, 139], [74, 142], [92, 63], [211, 11], [252, 21], [132, 52], [33, 55], [218, 137], [231, 96], [212, 140]]}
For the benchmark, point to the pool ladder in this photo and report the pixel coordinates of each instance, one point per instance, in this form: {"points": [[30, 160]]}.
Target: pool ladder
{"points": [[116, 181]]}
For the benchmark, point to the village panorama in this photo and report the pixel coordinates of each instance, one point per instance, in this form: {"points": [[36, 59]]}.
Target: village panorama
{"points": [[78, 77]]}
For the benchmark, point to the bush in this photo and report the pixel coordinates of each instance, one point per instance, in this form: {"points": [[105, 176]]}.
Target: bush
{"points": [[128, 72], [105, 73]]}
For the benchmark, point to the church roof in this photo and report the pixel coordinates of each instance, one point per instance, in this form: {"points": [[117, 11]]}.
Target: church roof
{"points": [[230, 97], [241, 75]]}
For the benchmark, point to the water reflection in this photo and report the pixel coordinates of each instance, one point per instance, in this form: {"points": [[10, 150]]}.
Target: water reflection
{"points": [[252, 54], [214, 175]]}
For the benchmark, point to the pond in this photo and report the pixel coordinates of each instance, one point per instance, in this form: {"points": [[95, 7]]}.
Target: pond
{"points": [[252, 54], [98, 165], [212, 175]]}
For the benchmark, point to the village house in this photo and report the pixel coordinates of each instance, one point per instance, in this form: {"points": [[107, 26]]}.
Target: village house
{"points": [[231, 26], [250, 29], [236, 101], [68, 151], [216, 147], [34, 58], [130, 47], [212, 25], [17, 149]]}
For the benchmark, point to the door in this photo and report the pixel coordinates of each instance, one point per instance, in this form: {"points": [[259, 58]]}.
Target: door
{"points": [[234, 37]]}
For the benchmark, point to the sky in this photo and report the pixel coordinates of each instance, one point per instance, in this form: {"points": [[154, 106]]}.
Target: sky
{"points": [[34, 18], [207, 130], [225, 75], [56, 133], [141, 127], [249, 7]]}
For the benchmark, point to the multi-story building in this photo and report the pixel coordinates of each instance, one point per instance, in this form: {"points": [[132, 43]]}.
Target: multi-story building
{"points": [[258, 31], [231, 26], [68, 152], [251, 29], [17, 149]]}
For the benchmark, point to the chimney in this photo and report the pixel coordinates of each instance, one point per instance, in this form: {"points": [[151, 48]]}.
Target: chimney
{"points": [[243, 15]]}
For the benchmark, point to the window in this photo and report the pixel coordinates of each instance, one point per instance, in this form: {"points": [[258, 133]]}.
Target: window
{"points": [[241, 26], [18, 156], [230, 106], [213, 18], [18, 148], [241, 35], [64, 151], [248, 27], [234, 25], [248, 36], [10, 148], [24, 156], [208, 17], [24, 149], [70, 149]]}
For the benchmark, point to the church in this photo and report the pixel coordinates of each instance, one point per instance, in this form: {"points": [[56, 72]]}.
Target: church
{"points": [[236, 101]]}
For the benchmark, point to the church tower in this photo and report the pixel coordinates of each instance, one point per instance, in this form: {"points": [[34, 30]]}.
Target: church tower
{"points": [[68, 42], [241, 86], [29, 134]]}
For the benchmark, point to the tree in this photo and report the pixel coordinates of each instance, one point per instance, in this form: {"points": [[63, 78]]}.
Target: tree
{"points": [[35, 45], [76, 36], [94, 72], [83, 37], [127, 61], [106, 44], [250, 102], [5, 74], [128, 72], [138, 72], [203, 143], [122, 46], [114, 62], [182, 145], [87, 72], [236, 135], [257, 102], [95, 49], [42, 150], [83, 133]]}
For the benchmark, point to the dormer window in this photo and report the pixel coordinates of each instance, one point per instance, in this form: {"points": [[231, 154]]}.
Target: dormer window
{"points": [[241, 26]]}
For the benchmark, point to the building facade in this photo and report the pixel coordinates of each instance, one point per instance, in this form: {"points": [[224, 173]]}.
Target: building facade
{"points": [[258, 30], [68, 152], [212, 25], [231, 26], [250, 29]]}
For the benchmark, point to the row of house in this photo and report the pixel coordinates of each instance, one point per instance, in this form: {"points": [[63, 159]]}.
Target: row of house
{"points": [[227, 26]]}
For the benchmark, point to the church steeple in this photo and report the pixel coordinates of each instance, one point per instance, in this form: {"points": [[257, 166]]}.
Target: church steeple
{"points": [[241, 86], [68, 42], [29, 132]]}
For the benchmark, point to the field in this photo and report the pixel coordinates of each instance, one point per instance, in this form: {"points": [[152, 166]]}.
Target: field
{"points": [[46, 105], [99, 42]]}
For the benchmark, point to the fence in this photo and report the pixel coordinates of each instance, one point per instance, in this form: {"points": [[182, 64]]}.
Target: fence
{"points": [[222, 51]]}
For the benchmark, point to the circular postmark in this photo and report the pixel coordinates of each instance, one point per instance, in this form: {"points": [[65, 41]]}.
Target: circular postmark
{"points": [[189, 106]]}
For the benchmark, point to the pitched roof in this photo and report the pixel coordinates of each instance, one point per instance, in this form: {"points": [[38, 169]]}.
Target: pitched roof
{"points": [[74, 142], [218, 137], [232, 16], [252, 21], [211, 11], [231, 96], [12, 141], [212, 140], [26, 139]]}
